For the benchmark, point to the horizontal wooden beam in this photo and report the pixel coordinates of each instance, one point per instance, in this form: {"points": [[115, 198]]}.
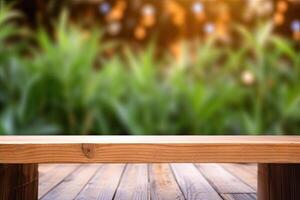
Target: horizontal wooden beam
{"points": [[153, 149]]}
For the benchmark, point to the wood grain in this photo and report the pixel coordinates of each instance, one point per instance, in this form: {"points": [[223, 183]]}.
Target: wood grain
{"points": [[46, 168], [54, 176], [245, 172], [193, 184], [134, 183], [155, 149], [104, 183], [223, 181], [239, 196], [19, 181], [161, 182], [71, 186], [278, 182], [163, 185]]}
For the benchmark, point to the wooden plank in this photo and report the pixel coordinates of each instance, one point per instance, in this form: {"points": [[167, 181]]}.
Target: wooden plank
{"points": [[278, 182], [252, 167], [192, 183], [239, 196], [45, 168], [134, 183], [222, 180], [104, 184], [247, 173], [54, 176], [71, 186], [155, 149], [18, 181], [163, 185]]}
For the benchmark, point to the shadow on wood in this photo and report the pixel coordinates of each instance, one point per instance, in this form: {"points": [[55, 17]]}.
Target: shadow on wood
{"points": [[18, 181], [278, 182]]}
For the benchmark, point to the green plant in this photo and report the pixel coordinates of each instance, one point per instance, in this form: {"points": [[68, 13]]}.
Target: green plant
{"points": [[67, 83], [11, 74], [274, 64]]}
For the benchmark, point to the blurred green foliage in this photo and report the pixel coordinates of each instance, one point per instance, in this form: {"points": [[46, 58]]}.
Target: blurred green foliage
{"points": [[66, 84]]}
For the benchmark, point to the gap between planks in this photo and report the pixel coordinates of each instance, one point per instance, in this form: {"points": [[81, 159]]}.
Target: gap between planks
{"points": [[147, 181]]}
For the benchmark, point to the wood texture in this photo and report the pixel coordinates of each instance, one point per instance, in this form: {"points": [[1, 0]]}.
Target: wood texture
{"points": [[278, 182], [54, 176], [46, 168], [193, 184], [247, 173], [263, 189], [71, 186], [220, 178], [163, 185], [143, 181], [104, 184], [19, 181], [239, 196], [155, 149], [134, 183]]}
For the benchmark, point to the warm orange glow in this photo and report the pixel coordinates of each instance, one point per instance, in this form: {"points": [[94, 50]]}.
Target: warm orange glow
{"points": [[200, 16], [296, 35], [177, 12], [278, 19], [282, 6], [148, 21], [140, 33], [117, 12], [193, 18]]}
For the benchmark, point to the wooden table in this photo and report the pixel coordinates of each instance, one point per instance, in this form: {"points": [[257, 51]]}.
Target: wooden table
{"points": [[159, 181], [277, 156]]}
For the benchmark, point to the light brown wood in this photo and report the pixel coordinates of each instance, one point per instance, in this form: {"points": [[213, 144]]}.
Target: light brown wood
{"points": [[46, 168], [156, 149], [248, 173], [239, 196], [54, 176], [278, 182], [163, 185], [71, 186], [221, 178], [193, 184], [19, 181], [104, 184], [134, 183]]}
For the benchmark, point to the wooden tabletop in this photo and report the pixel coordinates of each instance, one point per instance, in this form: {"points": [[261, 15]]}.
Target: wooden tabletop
{"points": [[150, 149], [184, 181]]}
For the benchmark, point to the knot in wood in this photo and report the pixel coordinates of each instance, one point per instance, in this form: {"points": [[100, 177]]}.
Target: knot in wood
{"points": [[88, 150]]}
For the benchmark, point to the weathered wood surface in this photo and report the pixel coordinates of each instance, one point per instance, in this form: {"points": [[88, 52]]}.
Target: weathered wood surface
{"points": [[69, 187], [104, 184], [238, 196], [53, 176], [149, 149], [248, 173], [192, 183], [134, 183], [147, 181], [220, 177], [163, 184]]}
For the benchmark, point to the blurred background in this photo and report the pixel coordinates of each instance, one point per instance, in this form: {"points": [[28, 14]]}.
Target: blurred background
{"points": [[149, 67]]}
